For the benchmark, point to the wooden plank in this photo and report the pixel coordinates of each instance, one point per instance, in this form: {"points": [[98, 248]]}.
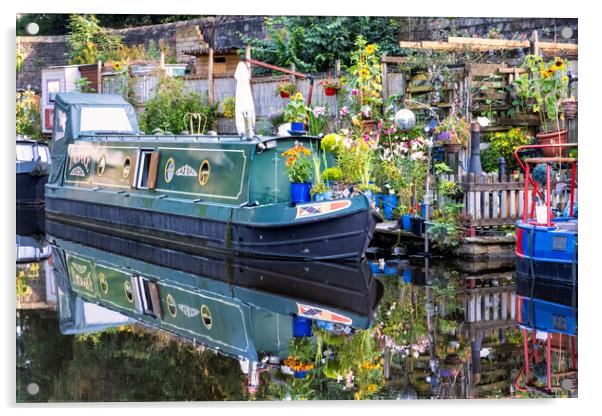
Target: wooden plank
{"points": [[395, 59], [504, 205], [496, 205], [512, 204], [470, 210], [477, 205], [489, 42], [499, 186], [521, 194], [570, 47], [504, 70], [413, 45], [152, 171], [486, 196]]}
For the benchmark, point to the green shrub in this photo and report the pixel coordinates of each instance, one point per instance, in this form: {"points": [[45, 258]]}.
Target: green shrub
{"points": [[168, 109]]}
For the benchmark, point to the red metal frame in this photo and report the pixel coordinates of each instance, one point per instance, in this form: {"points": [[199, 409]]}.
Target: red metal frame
{"points": [[286, 71], [536, 191]]}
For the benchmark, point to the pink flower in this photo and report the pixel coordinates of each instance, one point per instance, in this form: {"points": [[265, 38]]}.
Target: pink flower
{"points": [[354, 92], [344, 111], [319, 111]]}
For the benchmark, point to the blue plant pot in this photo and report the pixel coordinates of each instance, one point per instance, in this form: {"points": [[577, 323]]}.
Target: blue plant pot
{"points": [[300, 127], [300, 374], [369, 194], [389, 204], [423, 208], [324, 196], [300, 192], [407, 275], [302, 327], [417, 225], [326, 325], [406, 222]]}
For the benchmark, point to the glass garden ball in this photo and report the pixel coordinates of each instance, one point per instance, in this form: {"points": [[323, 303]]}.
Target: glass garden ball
{"points": [[405, 119]]}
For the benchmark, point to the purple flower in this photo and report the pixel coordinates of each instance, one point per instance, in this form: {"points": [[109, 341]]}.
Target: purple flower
{"points": [[444, 136], [354, 92]]}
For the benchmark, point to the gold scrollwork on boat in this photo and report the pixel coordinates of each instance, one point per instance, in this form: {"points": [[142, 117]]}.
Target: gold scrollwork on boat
{"points": [[206, 317], [127, 167], [102, 282], [102, 162], [171, 305], [170, 168], [129, 294], [204, 172]]}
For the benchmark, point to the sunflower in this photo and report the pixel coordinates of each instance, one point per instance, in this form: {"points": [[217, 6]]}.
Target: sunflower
{"points": [[370, 49], [364, 73], [117, 66], [558, 64], [342, 80], [565, 79], [546, 73], [372, 388]]}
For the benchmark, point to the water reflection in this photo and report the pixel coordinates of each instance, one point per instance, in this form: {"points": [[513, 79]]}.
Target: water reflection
{"points": [[135, 322]]}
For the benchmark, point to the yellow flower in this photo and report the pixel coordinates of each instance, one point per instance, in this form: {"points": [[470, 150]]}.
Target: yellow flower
{"points": [[357, 395], [547, 73], [364, 73], [558, 64], [565, 79], [342, 80], [372, 388], [299, 96], [117, 66], [370, 49]]}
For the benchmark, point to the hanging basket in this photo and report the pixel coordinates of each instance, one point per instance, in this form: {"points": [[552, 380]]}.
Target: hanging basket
{"points": [[569, 108], [329, 92], [451, 147], [284, 94]]}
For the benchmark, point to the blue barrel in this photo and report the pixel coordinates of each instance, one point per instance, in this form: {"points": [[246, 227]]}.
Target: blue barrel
{"points": [[406, 222], [389, 204], [302, 327]]}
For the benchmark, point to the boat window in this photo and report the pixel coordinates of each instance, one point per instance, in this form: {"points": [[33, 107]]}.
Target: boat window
{"points": [[60, 124], [105, 119], [44, 154], [24, 152], [149, 292], [147, 169]]}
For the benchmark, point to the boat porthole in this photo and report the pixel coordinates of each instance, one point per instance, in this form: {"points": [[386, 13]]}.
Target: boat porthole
{"points": [[127, 164], [127, 286], [206, 316], [170, 168], [102, 281], [171, 305], [101, 165], [204, 172]]}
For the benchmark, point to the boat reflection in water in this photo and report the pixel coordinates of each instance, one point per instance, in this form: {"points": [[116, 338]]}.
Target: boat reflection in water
{"points": [[245, 308]]}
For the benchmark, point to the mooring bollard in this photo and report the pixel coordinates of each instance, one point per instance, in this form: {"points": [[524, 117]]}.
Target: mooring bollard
{"points": [[475, 150], [501, 173]]}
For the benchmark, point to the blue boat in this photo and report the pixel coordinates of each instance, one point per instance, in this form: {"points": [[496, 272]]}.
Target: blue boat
{"points": [[32, 165]]}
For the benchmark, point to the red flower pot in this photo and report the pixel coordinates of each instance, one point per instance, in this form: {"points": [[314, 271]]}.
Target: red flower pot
{"points": [[330, 91], [284, 94], [555, 137]]}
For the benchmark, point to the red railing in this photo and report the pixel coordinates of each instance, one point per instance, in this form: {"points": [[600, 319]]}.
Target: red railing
{"points": [[529, 180]]}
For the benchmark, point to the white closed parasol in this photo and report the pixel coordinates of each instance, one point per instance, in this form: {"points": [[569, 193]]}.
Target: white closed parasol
{"points": [[244, 99]]}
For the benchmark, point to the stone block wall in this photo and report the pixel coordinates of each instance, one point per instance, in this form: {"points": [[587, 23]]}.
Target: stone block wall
{"points": [[39, 52]]}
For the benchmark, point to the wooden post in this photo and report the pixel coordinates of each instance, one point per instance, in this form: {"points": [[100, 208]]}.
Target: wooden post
{"points": [[210, 91], [385, 91], [99, 75], [293, 79], [162, 61], [337, 68], [535, 43], [247, 57]]}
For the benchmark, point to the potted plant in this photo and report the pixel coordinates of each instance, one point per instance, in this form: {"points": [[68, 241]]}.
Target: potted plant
{"points": [[319, 191], [331, 87], [229, 107], [453, 133], [390, 202], [286, 89], [298, 168], [317, 119], [546, 84], [295, 112]]}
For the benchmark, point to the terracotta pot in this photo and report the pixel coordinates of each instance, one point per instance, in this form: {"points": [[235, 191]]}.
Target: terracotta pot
{"points": [[284, 94], [330, 91], [451, 147], [555, 137], [368, 126]]}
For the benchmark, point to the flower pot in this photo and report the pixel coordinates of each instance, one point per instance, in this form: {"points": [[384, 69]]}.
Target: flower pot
{"points": [[555, 137], [300, 192], [417, 225], [330, 91], [569, 107], [300, 374], [284, 94], [389, 204], [297, 127], [451, 147], [406, 222], [378, 198], [323, 196], [368, 126], [423, 208], [302, 327]]}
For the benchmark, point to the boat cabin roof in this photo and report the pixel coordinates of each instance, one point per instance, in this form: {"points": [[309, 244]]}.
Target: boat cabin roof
{"points": [[78, 98]]}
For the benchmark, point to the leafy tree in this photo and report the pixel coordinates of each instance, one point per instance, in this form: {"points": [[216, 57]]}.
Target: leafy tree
{"points": [[89, 42], [314, 43]]}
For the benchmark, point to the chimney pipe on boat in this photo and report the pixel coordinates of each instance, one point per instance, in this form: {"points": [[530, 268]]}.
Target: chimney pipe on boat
{"points": [[475, 150]]}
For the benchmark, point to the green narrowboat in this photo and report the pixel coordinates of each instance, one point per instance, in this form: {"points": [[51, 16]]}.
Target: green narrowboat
{"points": [[242, 307], [227, 194]]}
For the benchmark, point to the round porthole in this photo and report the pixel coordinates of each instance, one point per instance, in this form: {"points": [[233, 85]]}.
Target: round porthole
{"points": [[101, 165], [206, 316], [102, 281], [127, 165], [129, 294], [204, 172], [171, 306], [170, 168]]}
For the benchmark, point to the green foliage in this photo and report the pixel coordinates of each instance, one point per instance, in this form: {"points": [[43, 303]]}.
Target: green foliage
{"points": [[317, 120], [450, 189], [314, 43], [332, 174], [229, 107], [153, 52], [489, 158], [295, 110], [167, 110], [28, 119], [83, 85], [19, 60], [89, 42], [504, 143], [286, 87], [449, 228], [298, 164]]}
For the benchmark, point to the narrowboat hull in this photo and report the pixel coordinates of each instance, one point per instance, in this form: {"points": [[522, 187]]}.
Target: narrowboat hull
{"points": [[343, 235], [30, 188]]}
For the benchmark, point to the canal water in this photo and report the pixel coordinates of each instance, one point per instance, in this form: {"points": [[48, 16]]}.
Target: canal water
{"points": [[102, 319]]}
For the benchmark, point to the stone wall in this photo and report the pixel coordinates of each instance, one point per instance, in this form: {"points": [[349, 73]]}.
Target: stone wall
{"points": [[39, 52]]}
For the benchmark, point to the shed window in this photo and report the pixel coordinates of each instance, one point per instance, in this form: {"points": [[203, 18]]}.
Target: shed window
{"points": [[105, 120]]}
